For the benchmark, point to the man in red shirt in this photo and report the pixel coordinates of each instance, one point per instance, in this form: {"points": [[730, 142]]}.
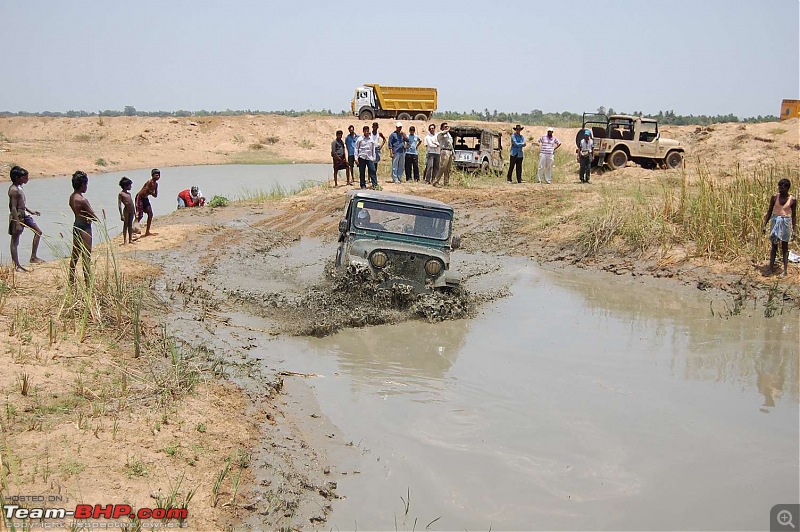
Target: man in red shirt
{"points": [[191, 198]]}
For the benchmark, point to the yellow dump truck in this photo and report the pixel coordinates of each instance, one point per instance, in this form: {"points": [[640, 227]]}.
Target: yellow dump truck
{"points": [[403, 103], [790, 109]]}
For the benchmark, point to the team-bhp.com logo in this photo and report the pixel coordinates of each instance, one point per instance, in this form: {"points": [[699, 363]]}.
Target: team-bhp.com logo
{"points": [[97, 511]]}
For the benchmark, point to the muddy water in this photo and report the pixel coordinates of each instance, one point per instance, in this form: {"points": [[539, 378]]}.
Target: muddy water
{"points": [[577, 402], [50, 196]]}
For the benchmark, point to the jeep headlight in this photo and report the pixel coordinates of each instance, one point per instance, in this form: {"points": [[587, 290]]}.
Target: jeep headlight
{"points": [[433, 267], [379, 259]]}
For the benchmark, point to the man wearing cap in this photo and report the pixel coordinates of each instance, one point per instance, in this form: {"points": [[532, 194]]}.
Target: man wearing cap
{"points": [[397, 149], [548, 145], [517, 143], [585, 154]]}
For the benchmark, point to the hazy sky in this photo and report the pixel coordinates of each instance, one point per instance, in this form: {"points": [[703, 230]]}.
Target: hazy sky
{"points": [[691, 56]]}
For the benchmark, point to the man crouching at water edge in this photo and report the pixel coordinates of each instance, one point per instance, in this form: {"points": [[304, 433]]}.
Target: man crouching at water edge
{"points": [[191, 197], [143, 206], [82, 227], [21, 217]]}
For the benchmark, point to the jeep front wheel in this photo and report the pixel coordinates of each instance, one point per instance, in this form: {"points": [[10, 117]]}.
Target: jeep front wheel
{"points": [[618, 159], [674, 159]]}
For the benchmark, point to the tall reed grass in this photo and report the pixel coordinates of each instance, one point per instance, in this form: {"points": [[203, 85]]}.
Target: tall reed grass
{"points": [[719, 217]]}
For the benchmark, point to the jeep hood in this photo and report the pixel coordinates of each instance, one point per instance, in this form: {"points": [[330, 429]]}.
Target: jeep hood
{"points": [[670, 143]]}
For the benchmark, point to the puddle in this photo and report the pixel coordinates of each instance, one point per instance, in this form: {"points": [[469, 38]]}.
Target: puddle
{"points": [[577, 401]]}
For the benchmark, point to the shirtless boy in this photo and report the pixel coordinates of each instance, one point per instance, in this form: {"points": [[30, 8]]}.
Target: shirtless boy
{"points": [[82, 227], [782, 213], [143, 206], [21, 217], [127, 210]]}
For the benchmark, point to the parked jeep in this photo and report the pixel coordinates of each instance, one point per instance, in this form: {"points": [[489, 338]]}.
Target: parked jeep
{"points": [[620, 138], [398, 239], [477, 148]]}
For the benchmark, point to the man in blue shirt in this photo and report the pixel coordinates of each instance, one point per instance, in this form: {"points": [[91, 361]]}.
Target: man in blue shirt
{"points": [[412, 157], [517, 143], [350, 142], [397, 149]]}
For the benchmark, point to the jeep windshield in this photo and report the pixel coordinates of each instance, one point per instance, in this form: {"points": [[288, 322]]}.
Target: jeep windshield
{"points": [[402, 219]]}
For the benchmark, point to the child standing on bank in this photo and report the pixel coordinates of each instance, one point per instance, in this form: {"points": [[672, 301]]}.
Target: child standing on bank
{"points": [[782, 216], [127, 210]]}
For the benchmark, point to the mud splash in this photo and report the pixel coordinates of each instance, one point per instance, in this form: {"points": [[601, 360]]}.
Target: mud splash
{"points": [[352, 298]]}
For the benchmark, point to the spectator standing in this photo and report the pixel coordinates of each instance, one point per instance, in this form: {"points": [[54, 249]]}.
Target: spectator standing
{"points": [[397, 149], [585, 154], [81, 227], [379, 141], [433, 153], [339, 156], [782, 214], [350, 142], [143, 206], [446, 156], [517, 143], [127, 210], [548, 145], [412, 156], [21, 217], [365, 151]]}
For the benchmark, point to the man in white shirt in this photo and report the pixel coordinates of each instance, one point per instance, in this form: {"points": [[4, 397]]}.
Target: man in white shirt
{"points": [[432, 159], [365, 153], [547, 149]]}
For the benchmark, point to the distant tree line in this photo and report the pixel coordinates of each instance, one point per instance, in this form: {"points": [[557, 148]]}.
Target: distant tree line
{"points": [[534, 118], [568, 119]]}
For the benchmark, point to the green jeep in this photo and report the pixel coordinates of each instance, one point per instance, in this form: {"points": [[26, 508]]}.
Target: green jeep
{"points": [[398, 239]]}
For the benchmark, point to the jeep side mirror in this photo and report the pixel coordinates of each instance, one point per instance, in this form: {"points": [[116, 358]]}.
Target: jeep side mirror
{"points": [[455, 242], [343, 225]]}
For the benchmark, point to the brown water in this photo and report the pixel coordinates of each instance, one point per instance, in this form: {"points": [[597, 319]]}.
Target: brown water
{"points": [[578, 402]]}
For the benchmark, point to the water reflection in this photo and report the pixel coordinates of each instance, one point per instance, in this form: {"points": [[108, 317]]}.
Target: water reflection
{"points": [[393, 358], [757, 353]]}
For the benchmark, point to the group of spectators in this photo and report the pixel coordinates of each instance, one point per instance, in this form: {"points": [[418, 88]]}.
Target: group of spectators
{"points": [[365, 151]]}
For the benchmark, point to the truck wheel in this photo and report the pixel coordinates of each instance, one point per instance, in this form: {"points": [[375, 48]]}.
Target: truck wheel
{"points": [[421, 117], [674, 159], [365, 115], [404, 116], [618, 159]]}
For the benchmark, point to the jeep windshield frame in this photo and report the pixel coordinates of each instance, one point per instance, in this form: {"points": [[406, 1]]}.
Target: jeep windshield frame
{"points": [[402, 219]]}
